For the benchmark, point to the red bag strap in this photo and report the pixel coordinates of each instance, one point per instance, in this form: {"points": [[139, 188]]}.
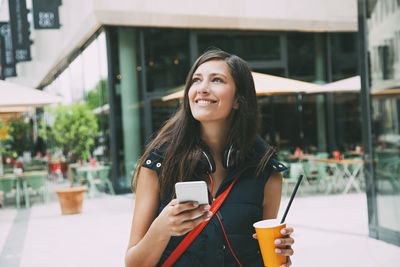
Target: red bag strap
{"points": [[192, 234]]}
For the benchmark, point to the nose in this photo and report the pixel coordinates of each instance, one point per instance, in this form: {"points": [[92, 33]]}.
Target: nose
{"points": [[203, 88]]}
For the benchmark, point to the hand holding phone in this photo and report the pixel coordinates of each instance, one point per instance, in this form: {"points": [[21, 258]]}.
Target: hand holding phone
{"points": [[192, 191]]}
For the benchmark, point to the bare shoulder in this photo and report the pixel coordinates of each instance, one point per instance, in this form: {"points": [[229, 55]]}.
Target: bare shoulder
{"points": [[147, 181], [275, 177], [272, 195]]}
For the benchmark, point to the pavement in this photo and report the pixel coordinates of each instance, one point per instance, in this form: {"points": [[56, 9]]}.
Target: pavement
{"points": [[330, 231]]}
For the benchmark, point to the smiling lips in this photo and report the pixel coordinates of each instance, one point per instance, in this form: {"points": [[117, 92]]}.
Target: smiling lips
{"points": [[205, 101]]}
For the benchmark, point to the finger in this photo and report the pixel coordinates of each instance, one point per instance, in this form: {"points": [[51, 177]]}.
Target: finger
{"points": [[255, 236], [282, 242], [188, 215], [287, 231], [288, 263], [181, 207], [284, 251], [190, 224]]}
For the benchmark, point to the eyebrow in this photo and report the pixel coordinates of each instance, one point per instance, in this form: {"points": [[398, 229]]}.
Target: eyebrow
{"points": [[211, 74]]}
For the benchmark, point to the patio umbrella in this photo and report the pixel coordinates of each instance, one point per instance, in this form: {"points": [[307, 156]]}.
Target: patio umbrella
{"points": [[13, 110], [14, 95], [350, 85], [267, 85], [389, 88], [387, 93]]}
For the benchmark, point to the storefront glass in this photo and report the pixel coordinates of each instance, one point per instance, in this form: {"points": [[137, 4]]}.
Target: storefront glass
{"points": [[167, 58], [381, 46], [255, 46]]}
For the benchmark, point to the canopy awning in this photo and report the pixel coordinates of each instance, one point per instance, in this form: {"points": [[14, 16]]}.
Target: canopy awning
{"points": [[348, 85], [103, 109], [15, 109], [387, 92], [266, 84], [15, 95]]}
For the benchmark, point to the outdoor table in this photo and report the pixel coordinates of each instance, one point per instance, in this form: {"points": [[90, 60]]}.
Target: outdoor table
{"points": [[89, 170], [302, 156], [354, 153], [23, 174], [344, 173], [19, 177]]}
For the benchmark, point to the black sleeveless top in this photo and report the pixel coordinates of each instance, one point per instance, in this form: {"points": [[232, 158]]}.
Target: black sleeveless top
{"points": [[241, 208]]}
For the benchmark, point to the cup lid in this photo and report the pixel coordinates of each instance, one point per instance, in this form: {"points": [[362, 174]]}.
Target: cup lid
{"points": [[267, 223]]}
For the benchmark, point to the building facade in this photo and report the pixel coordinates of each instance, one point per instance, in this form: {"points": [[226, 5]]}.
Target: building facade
{"points": [[132, 53], [379, 23]]}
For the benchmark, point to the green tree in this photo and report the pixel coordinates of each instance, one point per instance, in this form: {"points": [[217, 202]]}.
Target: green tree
{"points": [[93, 96], [6, 140], [22, 138], [74, 131]]}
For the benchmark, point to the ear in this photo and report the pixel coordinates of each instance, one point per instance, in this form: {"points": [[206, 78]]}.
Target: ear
{"points": [[236, 103]]}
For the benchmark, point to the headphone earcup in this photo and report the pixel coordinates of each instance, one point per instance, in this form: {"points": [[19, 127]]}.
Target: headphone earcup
{"points": [[207, 163], [230, 157]]}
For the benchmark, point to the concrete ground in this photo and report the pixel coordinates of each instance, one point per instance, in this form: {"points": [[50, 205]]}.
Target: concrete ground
{"points": [[330, 231]]}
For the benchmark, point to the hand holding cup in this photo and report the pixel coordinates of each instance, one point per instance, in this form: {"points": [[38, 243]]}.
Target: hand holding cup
{"points": [[275, 242]]}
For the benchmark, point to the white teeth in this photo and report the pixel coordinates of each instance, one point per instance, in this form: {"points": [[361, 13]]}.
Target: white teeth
{"points": [[204, 102]]}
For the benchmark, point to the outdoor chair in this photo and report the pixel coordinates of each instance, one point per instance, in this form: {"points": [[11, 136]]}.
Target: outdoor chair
{"points": [[35, 184], [8, 169], [311, 177], [79, 177], [387, 170], [10, 186], [290, 178], [322, 155], [325, 176], [103, 179], [283, 155]]}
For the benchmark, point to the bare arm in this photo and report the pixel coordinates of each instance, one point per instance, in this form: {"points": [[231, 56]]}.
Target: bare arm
{"points": [[150, 234], [146, 244], [272, 196], [272, 200]]}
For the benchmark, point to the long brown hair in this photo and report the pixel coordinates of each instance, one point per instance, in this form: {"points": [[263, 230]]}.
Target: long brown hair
{"points": [[182, 132]]}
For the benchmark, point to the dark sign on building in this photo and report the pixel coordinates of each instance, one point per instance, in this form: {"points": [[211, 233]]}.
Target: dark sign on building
{"points": [[6, 52], [45, 14], [20, 30]]}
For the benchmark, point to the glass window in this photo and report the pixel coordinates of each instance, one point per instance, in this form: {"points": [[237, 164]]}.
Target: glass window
{"points": [[347, 121], [271, 71], [161, 111], [280, 120], [344, 55], [386, 133], [301, 56], [167, 58], [247, 46]]}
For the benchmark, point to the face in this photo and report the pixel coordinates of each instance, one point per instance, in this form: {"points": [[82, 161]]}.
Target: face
{"points": [[212, 93]]}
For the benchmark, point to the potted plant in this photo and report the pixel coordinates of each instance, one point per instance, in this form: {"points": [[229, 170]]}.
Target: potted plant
{"points": [[73, 132]]}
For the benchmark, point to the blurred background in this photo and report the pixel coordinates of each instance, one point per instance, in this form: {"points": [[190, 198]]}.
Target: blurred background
{"points": [[108, 74]]}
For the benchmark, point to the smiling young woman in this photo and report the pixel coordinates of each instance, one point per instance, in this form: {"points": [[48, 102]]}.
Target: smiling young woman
{"points": [[212, 138]]}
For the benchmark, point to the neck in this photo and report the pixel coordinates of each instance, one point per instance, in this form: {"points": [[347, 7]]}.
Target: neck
{"points": [[215, 134]]}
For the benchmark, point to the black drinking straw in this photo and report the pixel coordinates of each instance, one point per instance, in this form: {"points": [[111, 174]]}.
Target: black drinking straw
{"points": [[292, 197]]}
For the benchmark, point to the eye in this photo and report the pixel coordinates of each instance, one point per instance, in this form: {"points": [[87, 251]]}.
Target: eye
{"points": [[217, 80], [195, 80]]}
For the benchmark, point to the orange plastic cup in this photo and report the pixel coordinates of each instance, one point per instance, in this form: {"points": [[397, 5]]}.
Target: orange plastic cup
{"points": [[267, 231]]}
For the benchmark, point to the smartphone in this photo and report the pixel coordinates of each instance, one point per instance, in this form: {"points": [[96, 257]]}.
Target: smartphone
{"points": [[192, 191]]}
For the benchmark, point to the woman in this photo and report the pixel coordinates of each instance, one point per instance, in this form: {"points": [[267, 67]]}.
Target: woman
{"points": [[212, 138]]}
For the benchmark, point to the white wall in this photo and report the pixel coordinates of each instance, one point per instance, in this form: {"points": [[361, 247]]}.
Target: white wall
{"points": [[303, 15], [81, 18]]}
